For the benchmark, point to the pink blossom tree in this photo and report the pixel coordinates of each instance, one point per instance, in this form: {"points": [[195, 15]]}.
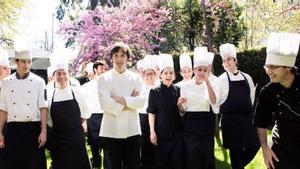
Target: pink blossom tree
{"points": [[137, 24]]}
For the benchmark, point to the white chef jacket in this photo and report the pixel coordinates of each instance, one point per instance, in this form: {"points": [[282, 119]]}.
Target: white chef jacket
{"points": [[23, 98], [196, 95], [221, 86], [91, 94], [116, 122]]}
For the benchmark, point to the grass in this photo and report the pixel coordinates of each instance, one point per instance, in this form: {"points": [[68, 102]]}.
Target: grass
{"points": [[221, 155], [223, 159]]}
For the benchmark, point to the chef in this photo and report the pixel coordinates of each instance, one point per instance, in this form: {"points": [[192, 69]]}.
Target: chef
{"points": [[4, 72], [68, 110], [118, 91], [279, 101], [94, 122], [198, 122], [235, 95], [186, 71], [149, 79], [164, 118], [23, 106]]}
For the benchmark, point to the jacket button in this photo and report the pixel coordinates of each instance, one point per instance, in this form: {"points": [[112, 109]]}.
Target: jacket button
{"points": [[15, 116], [27, 104], [280, 113], [14, 103], [279, 104], [29, 91], [282, 91], [297, 89], [12, 91], [278, 95], [27, 116]]}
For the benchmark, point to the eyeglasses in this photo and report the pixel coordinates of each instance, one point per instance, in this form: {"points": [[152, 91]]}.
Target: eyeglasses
{"points": [[271, 67]]}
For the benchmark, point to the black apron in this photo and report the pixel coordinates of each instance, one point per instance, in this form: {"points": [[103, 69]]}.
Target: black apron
{"points": [[21, 147], [286, 132], [69, 151], [236, 121], [198, 135]]}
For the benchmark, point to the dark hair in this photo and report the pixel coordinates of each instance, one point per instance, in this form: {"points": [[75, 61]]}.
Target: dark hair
{"points": [[120, 47], [98, 63]]}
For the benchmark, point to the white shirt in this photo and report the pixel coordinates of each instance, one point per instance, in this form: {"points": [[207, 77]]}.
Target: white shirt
{"points": [[116, 122], [145, 93], [23, 98], [221, 86], [196, 95], [181, 83], [91, 94], [212, 78], [66, 94]]}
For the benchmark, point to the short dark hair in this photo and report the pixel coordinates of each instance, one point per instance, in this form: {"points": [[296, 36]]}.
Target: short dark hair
{"points": [[98, 63], [120, 46]]}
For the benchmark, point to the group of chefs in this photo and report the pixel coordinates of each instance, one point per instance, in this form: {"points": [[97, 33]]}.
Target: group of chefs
{"points": [[141, 119]]}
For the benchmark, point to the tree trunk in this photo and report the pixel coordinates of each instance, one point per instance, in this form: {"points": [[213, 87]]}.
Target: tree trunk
{"points": [[207, 28]]}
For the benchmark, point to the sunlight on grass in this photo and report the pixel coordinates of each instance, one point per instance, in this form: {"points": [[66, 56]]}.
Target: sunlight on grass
{"points": [[222, 158]]}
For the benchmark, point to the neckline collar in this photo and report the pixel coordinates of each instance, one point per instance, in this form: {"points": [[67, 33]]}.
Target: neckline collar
{"points": [[25, 75]]}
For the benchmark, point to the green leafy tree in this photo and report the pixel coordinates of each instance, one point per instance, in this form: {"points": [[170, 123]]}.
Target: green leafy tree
{"points": [[206, 23], [265, 16], [8, 16]]}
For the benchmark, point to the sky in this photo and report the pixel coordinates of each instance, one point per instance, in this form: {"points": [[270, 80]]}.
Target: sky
{"points": [[35, 19]]}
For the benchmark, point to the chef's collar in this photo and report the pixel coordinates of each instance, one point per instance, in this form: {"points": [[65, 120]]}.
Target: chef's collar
{"points": [[163, 86], [25, 76]]}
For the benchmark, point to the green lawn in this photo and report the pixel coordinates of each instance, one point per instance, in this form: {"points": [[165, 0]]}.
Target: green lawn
{"points": [[222, 158]]}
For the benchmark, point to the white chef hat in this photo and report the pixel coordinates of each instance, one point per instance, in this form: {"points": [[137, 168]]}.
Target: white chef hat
{"points": [[50, 71], [140, 64], [149, 62], [210, 57], [282, 49], [228, 49], [185, 60], [23, 48], [4, 58], [166, 60], [89, 67], [58, 60], [200, 57]]}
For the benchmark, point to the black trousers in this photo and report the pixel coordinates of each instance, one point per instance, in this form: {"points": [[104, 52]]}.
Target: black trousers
{"points": [[96, 143], [1, 149], [147, 148], [21, 147], [241, 157], [124, 152], [169, 153]]}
